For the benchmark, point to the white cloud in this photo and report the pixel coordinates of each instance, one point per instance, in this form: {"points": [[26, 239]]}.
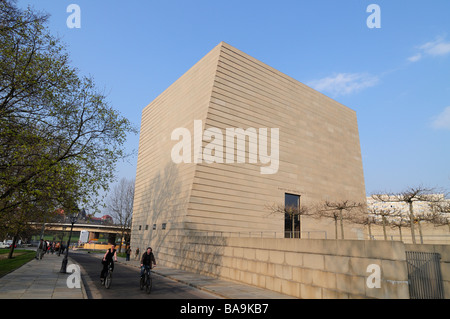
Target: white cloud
{"points": [[415, 58], [433, 48], [344, 83], [442, 121], [438, 47]]}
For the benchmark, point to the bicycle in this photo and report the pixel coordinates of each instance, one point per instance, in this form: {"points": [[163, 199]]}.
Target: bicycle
{"points": [[146, 280], [108, 278]]}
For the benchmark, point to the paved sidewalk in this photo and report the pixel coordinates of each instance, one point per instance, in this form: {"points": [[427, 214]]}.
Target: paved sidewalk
{"points": [[40, 279]]}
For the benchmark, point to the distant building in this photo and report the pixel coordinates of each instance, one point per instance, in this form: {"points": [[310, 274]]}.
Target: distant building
{"points": [[421, 209], [104, 220], [83, 217]]}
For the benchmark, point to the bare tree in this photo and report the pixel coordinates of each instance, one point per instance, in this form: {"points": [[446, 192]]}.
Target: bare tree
{"points": [[400, 222], [362, 217], [121, 205], [386, 214], [291, 211], [440, 213], [339, 210], [409, 197]]}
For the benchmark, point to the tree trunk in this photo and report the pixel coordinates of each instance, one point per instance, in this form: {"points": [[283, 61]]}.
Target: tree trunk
{"points": [[336, 226], [384, 227], [299, 226], [122, 237], [411, 220], [420, 231], [341, 217], [293, 224], [11, 249]]}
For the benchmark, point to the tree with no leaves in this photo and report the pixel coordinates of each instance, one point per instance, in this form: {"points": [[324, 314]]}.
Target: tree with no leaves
{"points": [[409, 197], [400, 222], [339, 210], [386, 214], [361, 217], [440, 213], [292, 211], [120, 205]]}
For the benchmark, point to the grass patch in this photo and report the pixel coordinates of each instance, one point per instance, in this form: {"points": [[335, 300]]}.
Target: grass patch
{"points": [[20, 257]]}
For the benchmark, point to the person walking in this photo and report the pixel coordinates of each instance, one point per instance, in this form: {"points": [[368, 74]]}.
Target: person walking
{"points": [[137, 254], [128, 253]]}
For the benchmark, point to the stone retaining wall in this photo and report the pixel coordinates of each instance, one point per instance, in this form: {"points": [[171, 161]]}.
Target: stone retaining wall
{"points": [[303, 268]]}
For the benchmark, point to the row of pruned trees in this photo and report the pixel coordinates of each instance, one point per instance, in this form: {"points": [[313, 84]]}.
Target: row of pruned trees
{"points": [[339, 211], [401, 210], [409, 208]]}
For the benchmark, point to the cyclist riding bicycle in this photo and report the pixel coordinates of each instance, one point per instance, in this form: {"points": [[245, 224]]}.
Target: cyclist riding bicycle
{"points": [[146, 261], [108, 259]]}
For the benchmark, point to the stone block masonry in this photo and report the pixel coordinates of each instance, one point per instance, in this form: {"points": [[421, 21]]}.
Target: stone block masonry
{"points": [[310, 269], [292, 139]]}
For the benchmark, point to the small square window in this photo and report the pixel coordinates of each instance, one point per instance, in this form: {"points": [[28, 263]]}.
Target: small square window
{"points": [[154, 226], [164, 226]]}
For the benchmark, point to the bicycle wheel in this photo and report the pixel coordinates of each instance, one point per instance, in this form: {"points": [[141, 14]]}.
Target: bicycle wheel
{"points": [[142, 282], [148, 287], [108, 280]]}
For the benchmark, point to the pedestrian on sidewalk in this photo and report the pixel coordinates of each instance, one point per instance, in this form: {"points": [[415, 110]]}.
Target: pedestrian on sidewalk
{"points": [[128, 253], [137, 254]]}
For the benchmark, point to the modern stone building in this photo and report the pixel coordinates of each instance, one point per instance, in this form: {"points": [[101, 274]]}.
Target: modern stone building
{"points": [[194, 176]]}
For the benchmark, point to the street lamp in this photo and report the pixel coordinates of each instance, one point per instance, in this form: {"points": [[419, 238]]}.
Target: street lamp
{"points": [[73, 219]]}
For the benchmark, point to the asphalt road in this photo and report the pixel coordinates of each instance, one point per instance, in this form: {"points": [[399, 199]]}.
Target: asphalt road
{"points": [[125, 283]]}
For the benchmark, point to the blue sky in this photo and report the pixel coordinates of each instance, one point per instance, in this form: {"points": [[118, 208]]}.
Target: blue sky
{"points": [[397, 77]]}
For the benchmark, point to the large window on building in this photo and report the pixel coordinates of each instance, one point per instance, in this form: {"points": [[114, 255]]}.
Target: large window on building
{"points": [[291, 217]]}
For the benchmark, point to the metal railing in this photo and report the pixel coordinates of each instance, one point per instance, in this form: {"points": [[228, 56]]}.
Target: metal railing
{"points": [[424, 275], [408, 238], [313, 234]]}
